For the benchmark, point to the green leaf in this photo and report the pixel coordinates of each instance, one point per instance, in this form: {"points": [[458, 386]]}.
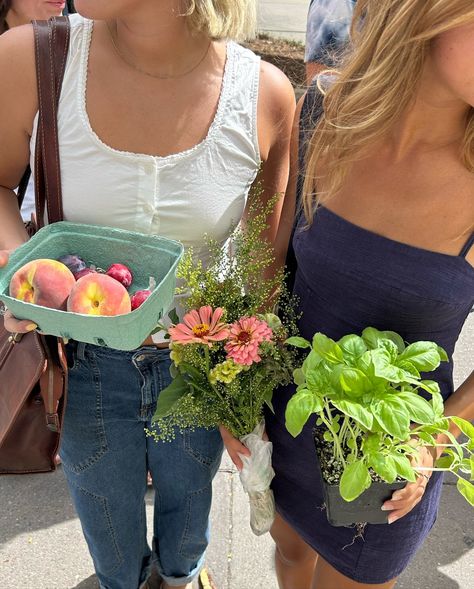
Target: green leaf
{"points": [[327, 348], [438, 404], [392, 417], [371, 443], [371, 337], [355, 410], [430, 386], [426, 437], [298, 342], [419, 410], [408, 367], [311, 362], [442, 354], [445, 461], [465, 426], [191, 373], [404, 467], [395, 338], [384, 466], [169, 396], [466, 489], [298, 376], [354, 481], [391, 348], [384, 368], [173, 316], [423, 355], [316, 382], [328, 436], [353, 381], [299, 409], [353, 345]]}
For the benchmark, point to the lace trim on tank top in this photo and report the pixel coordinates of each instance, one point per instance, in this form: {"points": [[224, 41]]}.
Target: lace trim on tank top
{"points": [[228, 82]]}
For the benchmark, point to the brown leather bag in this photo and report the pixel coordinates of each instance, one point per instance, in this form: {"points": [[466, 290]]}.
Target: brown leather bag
{"points": [[33, 370]]}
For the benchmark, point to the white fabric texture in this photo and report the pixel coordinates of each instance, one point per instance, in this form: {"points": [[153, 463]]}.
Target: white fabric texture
{"points": [[202, 190]]}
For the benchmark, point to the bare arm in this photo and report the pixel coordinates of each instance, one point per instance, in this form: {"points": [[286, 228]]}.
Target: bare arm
{"points": [[18, 105], [275, 116]]}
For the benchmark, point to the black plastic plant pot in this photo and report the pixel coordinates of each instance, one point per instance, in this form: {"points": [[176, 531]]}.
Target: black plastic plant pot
{"points": [[365, 509]]}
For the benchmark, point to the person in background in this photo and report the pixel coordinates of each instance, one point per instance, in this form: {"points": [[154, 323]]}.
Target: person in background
{"points": [[167, 126], [327, 32], [21, 12]]}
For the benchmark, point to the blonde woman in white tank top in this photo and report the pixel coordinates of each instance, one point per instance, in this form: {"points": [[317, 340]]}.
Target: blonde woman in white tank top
{"points": [[162, 127]]}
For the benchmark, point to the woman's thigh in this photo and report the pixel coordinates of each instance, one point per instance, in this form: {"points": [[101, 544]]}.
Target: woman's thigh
{"points": [[327, 577], [291, 548]]}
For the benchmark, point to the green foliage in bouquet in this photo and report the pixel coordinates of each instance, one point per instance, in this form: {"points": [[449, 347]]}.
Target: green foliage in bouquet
{"points": [[365, 392], [229, 354]]}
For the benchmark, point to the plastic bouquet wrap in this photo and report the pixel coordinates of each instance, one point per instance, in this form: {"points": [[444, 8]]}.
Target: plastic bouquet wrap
{"points": [[229, 354]]}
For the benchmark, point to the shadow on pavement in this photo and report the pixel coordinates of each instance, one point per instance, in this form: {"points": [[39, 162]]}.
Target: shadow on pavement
{"points": [[89, 583]]}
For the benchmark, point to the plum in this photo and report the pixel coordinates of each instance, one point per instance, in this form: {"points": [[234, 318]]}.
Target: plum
{"points": [[74, 262], [121, 273], [84, 272], [139, 297]]}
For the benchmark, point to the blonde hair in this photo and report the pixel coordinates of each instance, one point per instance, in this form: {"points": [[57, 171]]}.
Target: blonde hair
{"points": [[390, 40], [223, 19]]}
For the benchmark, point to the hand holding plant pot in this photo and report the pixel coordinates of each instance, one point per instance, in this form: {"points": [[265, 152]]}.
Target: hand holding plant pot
{"points": [[373, 419]]}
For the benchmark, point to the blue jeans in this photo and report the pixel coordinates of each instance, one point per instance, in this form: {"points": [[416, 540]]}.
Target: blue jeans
{"points": [[106, 454]]}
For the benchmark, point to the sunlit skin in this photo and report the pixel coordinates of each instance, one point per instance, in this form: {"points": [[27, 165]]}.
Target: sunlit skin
{"points": [[23, 11]]}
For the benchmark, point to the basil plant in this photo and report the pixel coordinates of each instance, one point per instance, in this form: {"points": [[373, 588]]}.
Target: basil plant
{"points": [[376, 409]]}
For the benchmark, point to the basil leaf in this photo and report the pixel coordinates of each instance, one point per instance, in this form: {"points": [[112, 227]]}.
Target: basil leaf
{"points": [[423, 355], [392, 417], [298, 342], [327, 348], [355, 410], [354, 481], [299, 409], [404, 467], [466, 489], [419, 410], [352, 345], [384, 466]]}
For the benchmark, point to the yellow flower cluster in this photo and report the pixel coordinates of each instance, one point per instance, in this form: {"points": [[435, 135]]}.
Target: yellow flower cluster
{"points": [[225, 372], [176, 354]]}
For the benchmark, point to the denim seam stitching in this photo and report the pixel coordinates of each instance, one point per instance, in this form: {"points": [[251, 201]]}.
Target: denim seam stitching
{"points": [[110, 527], [103, 448]]}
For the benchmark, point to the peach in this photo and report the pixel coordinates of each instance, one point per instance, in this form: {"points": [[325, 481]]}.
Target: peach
{"points": [[99, 294], [43, 282]]}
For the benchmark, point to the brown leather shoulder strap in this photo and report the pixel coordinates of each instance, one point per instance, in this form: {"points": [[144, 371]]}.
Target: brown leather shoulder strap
{"points": [[51, 48]]}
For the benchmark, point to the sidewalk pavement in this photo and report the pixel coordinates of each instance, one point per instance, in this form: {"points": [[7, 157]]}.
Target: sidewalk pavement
{"points": [[42, 547], [283, 19]]}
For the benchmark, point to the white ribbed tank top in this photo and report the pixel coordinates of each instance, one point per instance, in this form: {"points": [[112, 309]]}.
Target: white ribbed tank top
{"points": [[202, 190]]}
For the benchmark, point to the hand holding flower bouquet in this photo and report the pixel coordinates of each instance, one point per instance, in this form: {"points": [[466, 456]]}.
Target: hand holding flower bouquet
{"points": [[229, 355]]}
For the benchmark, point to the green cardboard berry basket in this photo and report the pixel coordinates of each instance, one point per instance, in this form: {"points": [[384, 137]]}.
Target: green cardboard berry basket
{"points": [[146, 256]]}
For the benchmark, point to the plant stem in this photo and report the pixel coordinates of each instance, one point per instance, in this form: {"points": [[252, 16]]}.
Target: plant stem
{"points": [[339, 454]]}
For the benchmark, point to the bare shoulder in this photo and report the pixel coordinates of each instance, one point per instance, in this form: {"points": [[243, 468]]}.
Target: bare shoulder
{"points": [[18, 72], [276, 91]]}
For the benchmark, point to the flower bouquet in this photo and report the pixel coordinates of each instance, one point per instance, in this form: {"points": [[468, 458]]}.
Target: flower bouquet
{"points": [[229, 354]]}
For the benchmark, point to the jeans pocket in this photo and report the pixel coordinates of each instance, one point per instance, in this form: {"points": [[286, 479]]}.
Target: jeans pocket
{"points": [[196, 532], [204, 445], [84, 439]]}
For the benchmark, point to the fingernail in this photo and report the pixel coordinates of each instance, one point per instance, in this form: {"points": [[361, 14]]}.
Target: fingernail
{"points": [[31, 327], [386, 508], [393, 518]]}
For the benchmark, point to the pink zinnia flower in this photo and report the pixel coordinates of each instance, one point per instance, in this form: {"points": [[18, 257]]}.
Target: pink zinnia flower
{"points": [[245, 337], [200, 327]]}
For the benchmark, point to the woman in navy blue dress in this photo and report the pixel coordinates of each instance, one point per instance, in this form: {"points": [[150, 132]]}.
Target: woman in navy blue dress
{"points": [[390, 166]]}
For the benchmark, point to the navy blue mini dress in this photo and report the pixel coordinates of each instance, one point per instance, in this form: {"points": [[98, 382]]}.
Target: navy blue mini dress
{"points": [[348, 278]]}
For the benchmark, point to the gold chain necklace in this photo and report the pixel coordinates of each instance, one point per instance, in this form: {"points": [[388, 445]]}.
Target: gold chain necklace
{"points": [[138, 69]]}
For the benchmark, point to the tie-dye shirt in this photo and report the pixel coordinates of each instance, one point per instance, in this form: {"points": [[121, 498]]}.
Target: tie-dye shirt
{"points": [[327, 29]]}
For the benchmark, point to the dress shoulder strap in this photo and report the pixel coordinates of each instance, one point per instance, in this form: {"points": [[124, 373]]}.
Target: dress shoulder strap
{"points": [[467, 246]]}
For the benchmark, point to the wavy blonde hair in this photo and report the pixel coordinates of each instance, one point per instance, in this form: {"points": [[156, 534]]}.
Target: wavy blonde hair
{"points": [[390, 40], [223, 19]]}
